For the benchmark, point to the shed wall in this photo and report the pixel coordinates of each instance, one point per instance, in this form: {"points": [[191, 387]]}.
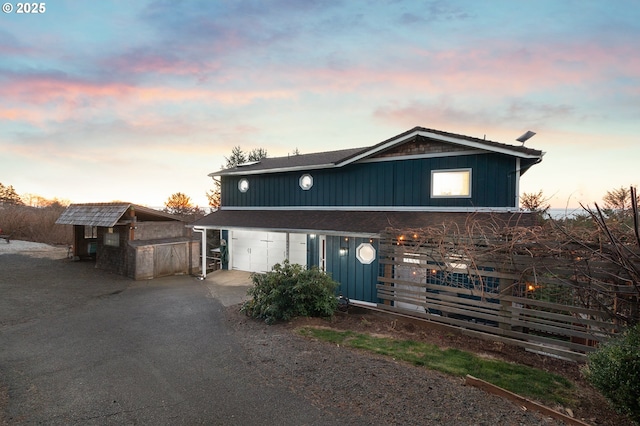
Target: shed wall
{"points": [[158, 230], [113, 258]]}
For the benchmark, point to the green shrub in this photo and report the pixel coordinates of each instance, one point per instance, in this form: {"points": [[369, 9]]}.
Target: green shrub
{"points": [[290, 290], [614, 369]]}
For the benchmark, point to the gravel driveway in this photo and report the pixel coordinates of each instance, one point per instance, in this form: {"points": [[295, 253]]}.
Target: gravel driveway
{"points": [[81, 346]]}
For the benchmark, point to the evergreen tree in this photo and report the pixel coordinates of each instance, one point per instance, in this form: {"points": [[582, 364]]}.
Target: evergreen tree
{"points": [[9, 195]]}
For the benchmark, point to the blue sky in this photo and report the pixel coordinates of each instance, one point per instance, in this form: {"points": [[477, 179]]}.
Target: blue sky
{"points": [[134, 101]]}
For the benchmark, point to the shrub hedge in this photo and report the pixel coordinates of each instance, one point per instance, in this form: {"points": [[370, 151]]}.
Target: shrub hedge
{"points": [[290, 290], [614, 369]]}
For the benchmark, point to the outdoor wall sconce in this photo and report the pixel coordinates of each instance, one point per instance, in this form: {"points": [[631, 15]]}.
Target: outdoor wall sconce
{"points": [[344, 246]]}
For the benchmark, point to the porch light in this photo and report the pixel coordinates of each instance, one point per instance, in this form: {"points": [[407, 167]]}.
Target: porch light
{"points": [[344, 246]]}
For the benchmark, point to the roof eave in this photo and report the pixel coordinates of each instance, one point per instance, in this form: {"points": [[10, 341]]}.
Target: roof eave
{"points": [[450, 139], [236, 172]]}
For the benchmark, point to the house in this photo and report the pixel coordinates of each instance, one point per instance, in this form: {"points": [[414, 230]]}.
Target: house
{"points": [[132, 240], [328, 209]]}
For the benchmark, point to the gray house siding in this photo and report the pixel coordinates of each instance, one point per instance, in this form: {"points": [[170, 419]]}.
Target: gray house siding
{"points": [[399, 183]]}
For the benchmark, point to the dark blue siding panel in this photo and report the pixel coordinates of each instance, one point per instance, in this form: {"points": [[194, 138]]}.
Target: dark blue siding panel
{"points": [[380, 184], [357, 281]]}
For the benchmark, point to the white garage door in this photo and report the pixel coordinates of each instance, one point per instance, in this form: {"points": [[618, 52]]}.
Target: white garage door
{"points": [[259, 251], [298, 249]]}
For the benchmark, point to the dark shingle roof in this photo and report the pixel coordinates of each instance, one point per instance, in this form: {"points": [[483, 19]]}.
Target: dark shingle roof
{"points": [[350, 222], [346, 156]]}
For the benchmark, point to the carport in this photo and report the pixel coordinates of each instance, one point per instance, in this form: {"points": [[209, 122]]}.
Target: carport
{"points": [[132, 240]]}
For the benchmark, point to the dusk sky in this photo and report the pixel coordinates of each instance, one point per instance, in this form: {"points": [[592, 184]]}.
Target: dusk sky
{"points": [[134, 101]]}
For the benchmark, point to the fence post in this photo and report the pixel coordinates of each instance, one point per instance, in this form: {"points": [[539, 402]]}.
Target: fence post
{"points": [[505, 289]]}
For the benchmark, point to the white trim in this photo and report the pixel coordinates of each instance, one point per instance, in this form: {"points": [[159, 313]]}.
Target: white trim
{"points": [[363, 303], [454, 140], [382, 209], [323, 232], [517, 183], [276, 170], [203, 249], [467, 169], [364, 247], [391, 143], [424, 156]]}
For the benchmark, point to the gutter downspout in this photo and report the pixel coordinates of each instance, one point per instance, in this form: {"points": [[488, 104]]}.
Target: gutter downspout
{"points": [[203, 250], [517, 203]]}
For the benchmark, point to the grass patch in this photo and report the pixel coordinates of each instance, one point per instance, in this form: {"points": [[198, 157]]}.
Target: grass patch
{"points": [[520, 379]]}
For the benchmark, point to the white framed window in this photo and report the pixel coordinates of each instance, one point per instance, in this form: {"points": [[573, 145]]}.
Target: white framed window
{"points": [[306, 182], [243, 185], [451, 183], [366, 253]]}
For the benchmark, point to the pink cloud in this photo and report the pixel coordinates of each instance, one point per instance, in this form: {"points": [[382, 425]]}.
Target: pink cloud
{"points": [[492, 69], [143, 61], [71, 94]]}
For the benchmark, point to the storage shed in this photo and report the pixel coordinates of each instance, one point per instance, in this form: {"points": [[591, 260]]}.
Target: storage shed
{"points": [[132, 240]]}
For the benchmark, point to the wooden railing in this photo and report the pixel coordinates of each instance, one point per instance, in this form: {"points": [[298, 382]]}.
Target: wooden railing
{"points": [[542, 304]]}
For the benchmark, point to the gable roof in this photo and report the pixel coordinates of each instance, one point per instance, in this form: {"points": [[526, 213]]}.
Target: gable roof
{"points": [[109, 214], [343, 157]]}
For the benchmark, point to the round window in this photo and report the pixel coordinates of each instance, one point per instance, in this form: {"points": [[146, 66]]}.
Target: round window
{"points": [[243, 185], [306, 182], [365, 253]]}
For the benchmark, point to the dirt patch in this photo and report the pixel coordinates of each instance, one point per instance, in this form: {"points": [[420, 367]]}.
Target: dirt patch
{"points": [[591, 408]]}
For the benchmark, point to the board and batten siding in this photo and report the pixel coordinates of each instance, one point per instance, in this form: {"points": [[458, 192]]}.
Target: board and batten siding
{"points": [[357, 281], [405, 183]]}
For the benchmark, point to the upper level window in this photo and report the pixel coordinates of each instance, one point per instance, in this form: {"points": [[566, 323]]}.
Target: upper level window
{"points": [[451, 183], [243, 185], [306, 182]]}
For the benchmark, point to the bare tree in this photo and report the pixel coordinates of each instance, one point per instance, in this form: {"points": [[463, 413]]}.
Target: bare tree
{"points": [[257, 154], [213, 195], [180, 204]]}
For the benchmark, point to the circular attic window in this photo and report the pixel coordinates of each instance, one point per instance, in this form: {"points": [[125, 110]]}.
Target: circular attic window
{"points": [[306, 182], [365, 253], [243, 185]]}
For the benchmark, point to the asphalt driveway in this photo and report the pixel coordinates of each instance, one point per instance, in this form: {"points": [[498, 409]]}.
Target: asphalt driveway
{"points": [[82, 346]]}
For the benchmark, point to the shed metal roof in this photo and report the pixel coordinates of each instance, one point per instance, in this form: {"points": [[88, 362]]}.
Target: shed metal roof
{"points": [[108, 214]]}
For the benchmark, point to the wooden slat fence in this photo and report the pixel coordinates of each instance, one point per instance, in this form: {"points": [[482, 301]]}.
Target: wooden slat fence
{"points": [[543, 304]]}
